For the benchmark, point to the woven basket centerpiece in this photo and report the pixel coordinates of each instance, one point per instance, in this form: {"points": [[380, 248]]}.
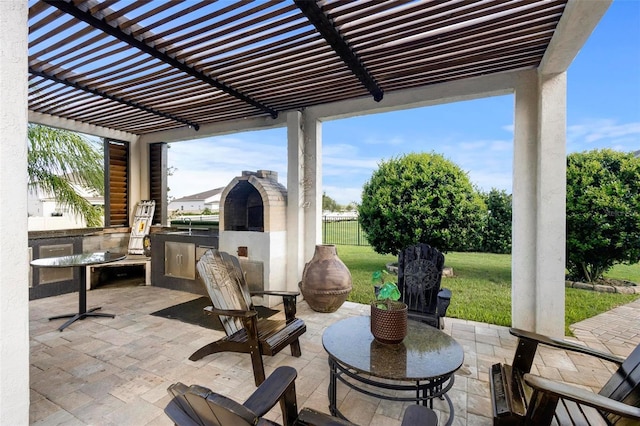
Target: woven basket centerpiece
{"points": [[389, 326]]}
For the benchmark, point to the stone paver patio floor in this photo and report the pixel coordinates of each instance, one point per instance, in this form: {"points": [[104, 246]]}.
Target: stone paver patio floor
{"points": [[103, 371]]}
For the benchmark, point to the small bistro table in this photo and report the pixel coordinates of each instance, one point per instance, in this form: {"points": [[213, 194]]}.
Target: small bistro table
{"points": [[427, 359], [81, 261]]}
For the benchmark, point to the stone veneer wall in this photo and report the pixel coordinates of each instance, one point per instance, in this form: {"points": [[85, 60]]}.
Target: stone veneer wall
{"points": [[82, 241], [111, 241]]}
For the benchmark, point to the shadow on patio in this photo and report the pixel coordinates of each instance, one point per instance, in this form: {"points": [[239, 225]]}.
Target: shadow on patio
{"points": [[103, 371]]}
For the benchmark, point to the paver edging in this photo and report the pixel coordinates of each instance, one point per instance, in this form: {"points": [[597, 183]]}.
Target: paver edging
{"points": [[603, 288]]}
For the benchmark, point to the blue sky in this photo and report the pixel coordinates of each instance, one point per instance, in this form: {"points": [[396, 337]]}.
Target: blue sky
{"points": [[603, 111]]}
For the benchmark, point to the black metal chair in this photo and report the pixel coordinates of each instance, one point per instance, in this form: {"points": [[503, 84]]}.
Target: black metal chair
{"points": [[520, 398], [199, 406], [419, 277]]}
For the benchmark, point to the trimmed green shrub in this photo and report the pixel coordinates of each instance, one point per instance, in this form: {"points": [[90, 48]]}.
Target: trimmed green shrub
{"points": [[496, 237], [421, 198], [603, 212]]}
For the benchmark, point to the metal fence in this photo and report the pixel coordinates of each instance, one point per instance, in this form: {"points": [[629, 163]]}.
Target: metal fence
{"points": [[340, 229]]}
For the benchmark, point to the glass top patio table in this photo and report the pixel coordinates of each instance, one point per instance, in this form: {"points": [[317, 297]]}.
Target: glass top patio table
{"points": [[79, 260], [82, 259], [427, 357]]}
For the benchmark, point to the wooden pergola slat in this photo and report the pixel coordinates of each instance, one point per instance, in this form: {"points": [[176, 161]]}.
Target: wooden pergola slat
{"points": [[326, 28], [141, 45], [268, 51], [112, 98]]}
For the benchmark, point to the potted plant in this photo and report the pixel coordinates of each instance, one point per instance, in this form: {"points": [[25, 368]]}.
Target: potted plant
{"points": [[388, 315]]}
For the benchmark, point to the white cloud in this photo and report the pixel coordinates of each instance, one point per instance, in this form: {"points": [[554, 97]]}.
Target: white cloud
{"points": [[351, 163], [488, 162], [188, 182], [392, 141], [210, 163], [466, 146], [614, 131], [487, 179], [603, 133], [483, 146], [501, 146], [344, 195], [339, 149]]}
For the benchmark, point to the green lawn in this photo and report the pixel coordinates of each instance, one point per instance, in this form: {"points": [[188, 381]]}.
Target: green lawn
{"points": [[626, 272], [482, 286]]}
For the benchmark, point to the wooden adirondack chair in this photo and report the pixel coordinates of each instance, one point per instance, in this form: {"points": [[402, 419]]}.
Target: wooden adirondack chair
{"points": [[246, 333], [199, 406], [520, 398], [196, 405], [419, 277]]}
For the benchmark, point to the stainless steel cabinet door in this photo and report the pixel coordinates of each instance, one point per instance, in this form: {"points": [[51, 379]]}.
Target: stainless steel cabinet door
{"points": [[180, 260]]}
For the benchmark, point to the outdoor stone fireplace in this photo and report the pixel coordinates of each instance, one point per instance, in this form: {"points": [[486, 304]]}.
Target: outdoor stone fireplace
{"points": [[253, 227]]}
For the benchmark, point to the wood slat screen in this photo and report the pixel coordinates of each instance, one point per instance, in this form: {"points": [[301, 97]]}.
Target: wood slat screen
{"points": [[158, 181], [150, 66], [116, 166]]}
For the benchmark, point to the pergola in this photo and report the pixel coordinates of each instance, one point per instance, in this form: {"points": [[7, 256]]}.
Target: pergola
{"points": [[144, 73]]}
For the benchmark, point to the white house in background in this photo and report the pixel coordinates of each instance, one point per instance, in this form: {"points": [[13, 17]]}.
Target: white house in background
{"points": [[196, 203], [45, 213]]}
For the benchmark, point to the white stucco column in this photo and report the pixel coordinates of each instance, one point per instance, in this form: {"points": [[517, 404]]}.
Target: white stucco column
{"points": [[14, 264], [552, 198], [304, 192], [312, 184], [295, 199], [525, 160], [539, 198]]}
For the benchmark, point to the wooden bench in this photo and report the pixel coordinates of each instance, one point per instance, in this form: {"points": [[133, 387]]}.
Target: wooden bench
{"points": [[131, 260]]}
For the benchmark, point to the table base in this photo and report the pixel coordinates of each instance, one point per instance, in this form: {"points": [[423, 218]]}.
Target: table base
{"points": [[80, 316], [425, 391]]}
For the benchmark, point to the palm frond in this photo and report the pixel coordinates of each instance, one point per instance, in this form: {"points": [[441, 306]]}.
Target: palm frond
{"points": [[57, 159]]}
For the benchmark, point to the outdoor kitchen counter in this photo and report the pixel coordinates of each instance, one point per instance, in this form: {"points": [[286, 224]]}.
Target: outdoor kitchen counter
{"points": [[174, 255]]}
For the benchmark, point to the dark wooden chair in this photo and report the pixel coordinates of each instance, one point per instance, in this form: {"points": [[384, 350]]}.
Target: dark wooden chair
{"points": [[419, 276], [246, 333], [199, 406], [521, 398]]}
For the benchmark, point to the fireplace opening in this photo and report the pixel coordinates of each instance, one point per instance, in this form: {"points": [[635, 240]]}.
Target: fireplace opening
{"points": [[243, 209], [254, 202]]}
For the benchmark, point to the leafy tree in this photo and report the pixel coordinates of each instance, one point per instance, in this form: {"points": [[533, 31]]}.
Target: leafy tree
{"points": [[58, 160], [421, 198], [352, 206], [497, 234], [603, 212], [329, 204]]}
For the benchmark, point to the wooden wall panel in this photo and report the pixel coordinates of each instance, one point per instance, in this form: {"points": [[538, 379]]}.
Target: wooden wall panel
{"points": [[116, 166], [158, 181]]}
